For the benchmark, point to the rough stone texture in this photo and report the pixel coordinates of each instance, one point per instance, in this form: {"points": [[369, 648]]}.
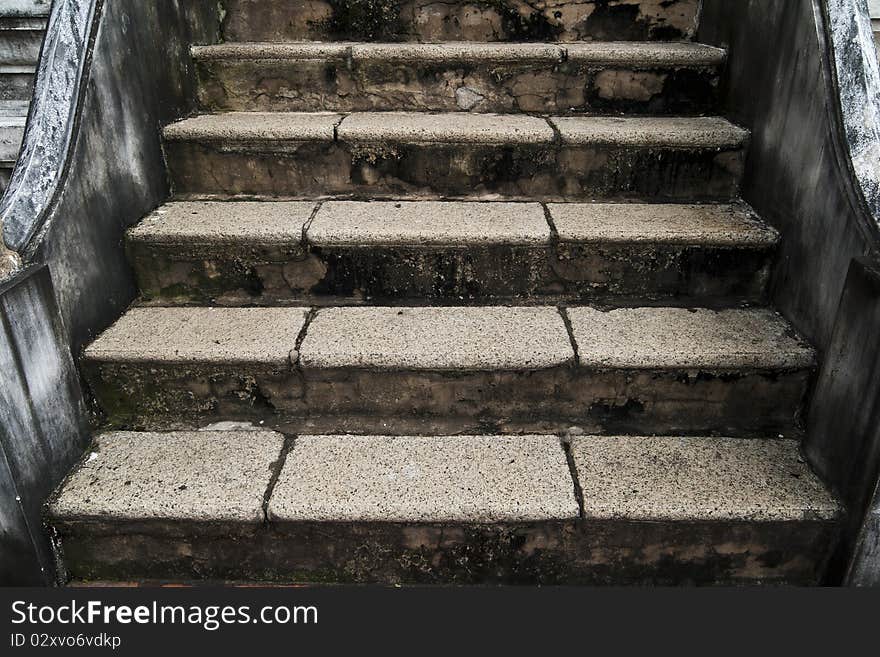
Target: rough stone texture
{"points": [[474, 20], [693, 132], [203, 335], [381, 155], [420, 128], [180, 477], [424, 479], [478, 77], [698, 479], [440, 339], [340, 223], [718, 225], [235, 127], [656, 338]]}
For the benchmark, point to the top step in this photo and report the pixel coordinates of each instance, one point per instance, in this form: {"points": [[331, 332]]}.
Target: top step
{"points": [[459, 20]]}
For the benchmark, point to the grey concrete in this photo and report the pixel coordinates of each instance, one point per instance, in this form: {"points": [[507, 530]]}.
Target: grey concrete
{"points": [[218, 335], [440, 338], [728, 225], [205, 222], [412, 127], [691, 132], [202, 476], [428, 223], [43, 423], [648, 338], [698, 479], [243, 126], [645, 53], [424, 479]]}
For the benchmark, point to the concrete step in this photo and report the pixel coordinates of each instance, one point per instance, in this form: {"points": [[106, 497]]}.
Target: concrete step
{"points": [[389, 154], [245, 253], [453, 369], [457, 20], [638, 77], [443, 509], [21, 38], [17, 81]]}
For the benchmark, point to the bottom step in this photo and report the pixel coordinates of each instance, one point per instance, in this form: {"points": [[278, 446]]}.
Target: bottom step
{"points": [[254, 505]]}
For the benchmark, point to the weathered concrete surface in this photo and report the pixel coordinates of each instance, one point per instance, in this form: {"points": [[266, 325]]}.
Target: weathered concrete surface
{"points": [[462, 509], [179, 478], [478, 77], [324, 253], [211, 335], [698, 479], [424, 479], [43, 424], [389, 154], [216, 251], [467, 20], [651, 338], [386, 370], [438, 339], [702, 510]]}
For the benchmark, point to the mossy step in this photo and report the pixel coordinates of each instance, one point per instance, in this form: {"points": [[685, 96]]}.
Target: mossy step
{"points": [[249, 253], [637, 77], [252, 505], [458, 20], [652, 370], [387, 154]]}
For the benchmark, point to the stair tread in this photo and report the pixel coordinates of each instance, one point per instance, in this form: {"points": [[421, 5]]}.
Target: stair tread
{"points": [[185, 475], [437, 338], [620, 52], [447, 338], [431, 223], [697, 478], [453, 127], [648, 338], [223, 476], [199, 334], [424, 479]]}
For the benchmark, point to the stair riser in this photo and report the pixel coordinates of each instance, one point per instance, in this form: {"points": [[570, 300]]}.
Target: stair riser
{"points": [[539, 86], [16, 86], [552, 172], [20, 46], [460, 20], [576, 552], [157, 396], [373, 273]]}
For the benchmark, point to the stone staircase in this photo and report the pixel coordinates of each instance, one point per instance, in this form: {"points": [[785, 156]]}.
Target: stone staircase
{"points": [[22, 27], [449, 293]]}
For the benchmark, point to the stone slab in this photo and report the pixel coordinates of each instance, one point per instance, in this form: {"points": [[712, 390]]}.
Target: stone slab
{"points": [[698, 479], [225, 223], [186, 476], [424, 479], [437, 338], [246, 126], [658, 338], [426, 223], [667, 132], [205, 335], [633, 223], [418, 127]]}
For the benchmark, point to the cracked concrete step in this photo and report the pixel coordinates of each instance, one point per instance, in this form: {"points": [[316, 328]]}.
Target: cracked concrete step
{"points": [[389, 154], [646, 77], [443, 509], [514, 369], [458, 20], [243, 253]]}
